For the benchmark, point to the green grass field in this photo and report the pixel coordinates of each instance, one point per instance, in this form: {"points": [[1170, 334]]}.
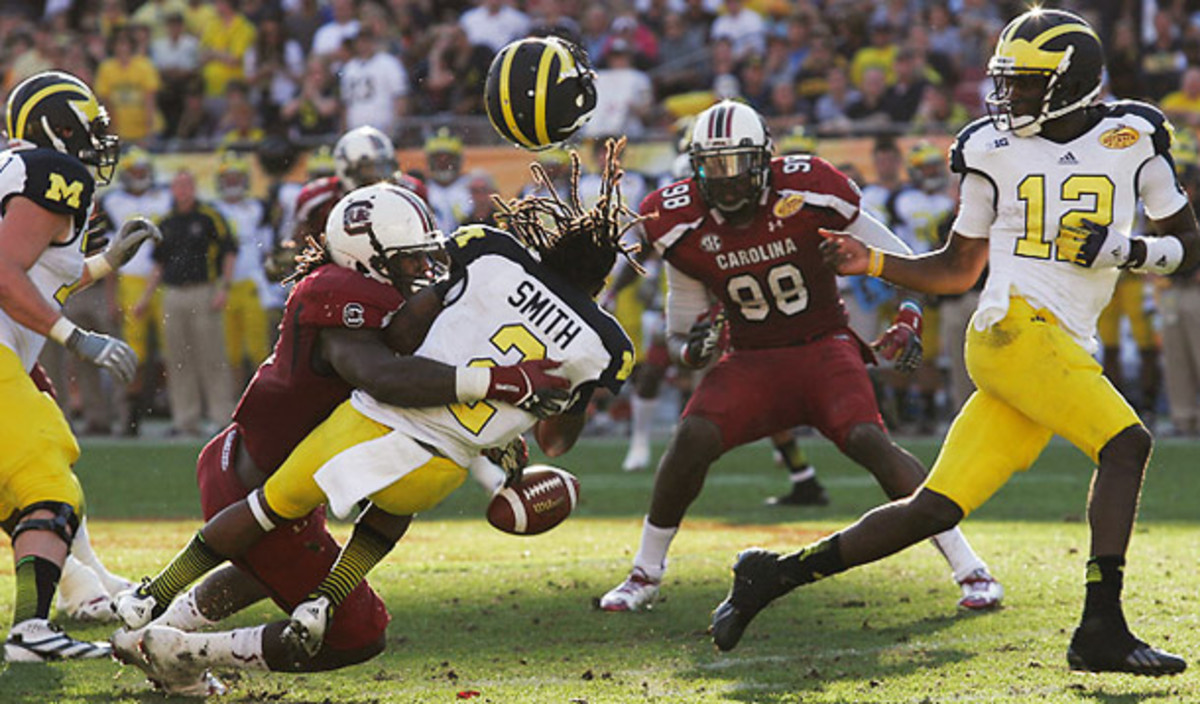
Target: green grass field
{"points": [[511, 618]]}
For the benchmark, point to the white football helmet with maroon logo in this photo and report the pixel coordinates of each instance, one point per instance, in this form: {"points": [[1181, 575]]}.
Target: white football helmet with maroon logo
{"points": [[731, 155]]}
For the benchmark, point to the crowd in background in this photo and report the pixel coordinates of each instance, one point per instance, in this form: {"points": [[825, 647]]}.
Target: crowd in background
{"points": [[178, 75]]}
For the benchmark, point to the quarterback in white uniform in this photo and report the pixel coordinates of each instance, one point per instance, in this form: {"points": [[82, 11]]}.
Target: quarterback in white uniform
{"points": [[1050, 186]]}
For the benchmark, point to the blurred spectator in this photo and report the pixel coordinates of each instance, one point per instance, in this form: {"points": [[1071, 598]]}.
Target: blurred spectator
{"points": [[684, 58], [331, 36], [938, 113], [1163, 61], [1183, 105], [494, 23], [893, 13], [784, 105], [374, 86], [239, 125], [449, 197], [32, 53], [594, 31], [644, 44], [452, 76], [195, 122], [1124, 62], [904, 95], [113, 16], [153, 14], [752, 81], [813, 79], [796, 44], [880, 54], [223, 46], [830, 111], [177, 58], [556, 162], [944, 36], [315, 111], [127, 84], [699, 17], [481, 187], [302, 21], [624, 96], [273, 67], [550, 18], [742, 26], [194, 263], [869, 111]]}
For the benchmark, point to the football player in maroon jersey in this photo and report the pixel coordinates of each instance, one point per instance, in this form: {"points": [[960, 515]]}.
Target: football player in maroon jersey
{"points": [[346, 290], [744, 230]]}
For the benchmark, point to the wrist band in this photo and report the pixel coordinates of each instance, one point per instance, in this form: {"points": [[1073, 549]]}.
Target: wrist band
{"points": [[98, 266], [1163, 255], [874, 263], [471, 383], [61, 330]]}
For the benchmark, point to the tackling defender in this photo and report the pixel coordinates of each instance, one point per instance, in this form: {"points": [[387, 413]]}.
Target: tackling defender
{"points": [[744, 230], [1050, 187]]}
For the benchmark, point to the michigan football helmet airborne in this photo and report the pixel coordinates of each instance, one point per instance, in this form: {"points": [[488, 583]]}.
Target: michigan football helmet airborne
{"points": [[373, 229], [56, 110], [363, 156], [539, 91], [1056, 46], [731, 155]]}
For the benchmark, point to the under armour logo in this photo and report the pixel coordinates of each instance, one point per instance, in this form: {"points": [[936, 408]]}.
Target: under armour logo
{"points": [[774, 225], [1068, 159]]}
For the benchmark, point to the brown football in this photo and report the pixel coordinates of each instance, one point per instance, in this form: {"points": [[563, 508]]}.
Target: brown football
{"points": [[543, 498]]}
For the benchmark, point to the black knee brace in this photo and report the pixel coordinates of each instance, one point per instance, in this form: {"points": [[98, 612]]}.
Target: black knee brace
{"points": [[64, 524]]}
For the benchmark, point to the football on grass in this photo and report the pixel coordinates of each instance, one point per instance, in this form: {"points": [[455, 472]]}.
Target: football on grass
{"points": [[543, 498]]}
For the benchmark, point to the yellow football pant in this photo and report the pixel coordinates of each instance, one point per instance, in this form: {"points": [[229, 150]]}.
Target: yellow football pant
{"points": [[245, 325], [292, 491], [1034, 381], [137, 332], [1129, 300], [38, 447]]}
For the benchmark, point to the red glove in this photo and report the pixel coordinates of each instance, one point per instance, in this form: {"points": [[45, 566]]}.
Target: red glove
{"points": [[529, 386], [901, 342], [42, 380]]}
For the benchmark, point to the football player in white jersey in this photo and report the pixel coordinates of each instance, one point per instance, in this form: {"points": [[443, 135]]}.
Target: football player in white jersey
{"points": [[1050, 186], [57, 130], [448, 194], [520, 298]]}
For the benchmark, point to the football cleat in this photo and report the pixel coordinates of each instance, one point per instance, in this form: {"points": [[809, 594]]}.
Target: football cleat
{"points": [[637, 592], [306, 629], [757, 581], [136, 607], [127, 648], [637, 459], [806, 493], [1099, 649], [980, 591], [176, 665], [98, 609], [38, 640]]}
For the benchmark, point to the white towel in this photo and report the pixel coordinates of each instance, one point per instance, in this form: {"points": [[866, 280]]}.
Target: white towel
{"points": [[368, 467]]}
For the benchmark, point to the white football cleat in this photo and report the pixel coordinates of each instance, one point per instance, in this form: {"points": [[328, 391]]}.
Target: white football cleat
{"points": [[309, 621], [127, 648], [176, 665], [980, 591], [637, 592], [637, 459], [38, 640], [134, 607], [98, 609]]}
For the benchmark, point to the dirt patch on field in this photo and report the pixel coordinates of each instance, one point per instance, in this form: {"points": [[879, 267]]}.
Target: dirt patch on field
{"points": [[787, 533]]}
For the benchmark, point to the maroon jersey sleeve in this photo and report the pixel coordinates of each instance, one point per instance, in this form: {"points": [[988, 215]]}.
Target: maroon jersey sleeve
{"points": [[819, 184], [673, 211], [335, 297]]}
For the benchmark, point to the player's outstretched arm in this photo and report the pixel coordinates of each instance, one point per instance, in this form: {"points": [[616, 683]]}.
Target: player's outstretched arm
{"points": [[1182, 226], [952, 269]]}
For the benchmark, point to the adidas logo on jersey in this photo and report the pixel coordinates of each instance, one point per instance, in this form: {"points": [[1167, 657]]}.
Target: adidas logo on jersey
{"points": [[1068, 159]]}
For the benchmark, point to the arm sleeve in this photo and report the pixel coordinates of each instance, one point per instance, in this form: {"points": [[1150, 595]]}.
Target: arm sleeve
{"points": [[874, 233], [687, 300], [1159, 190], [976, 207]]}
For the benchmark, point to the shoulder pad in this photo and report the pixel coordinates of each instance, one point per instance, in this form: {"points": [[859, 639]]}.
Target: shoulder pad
{"points": [[314, 193], [470, 242], [1156, 126], [964, 144], [57, 182], [673, 211], [336, 297], [820, 182]]}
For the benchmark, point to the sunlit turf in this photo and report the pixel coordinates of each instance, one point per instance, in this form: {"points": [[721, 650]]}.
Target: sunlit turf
{"points": [[475, 610]]}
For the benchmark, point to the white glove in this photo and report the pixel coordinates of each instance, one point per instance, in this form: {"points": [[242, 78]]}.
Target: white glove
{"points": [[104, 351]]}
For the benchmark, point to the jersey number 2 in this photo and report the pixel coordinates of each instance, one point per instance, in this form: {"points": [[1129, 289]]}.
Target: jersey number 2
{"points": [[1032, 191], [474, 416]]}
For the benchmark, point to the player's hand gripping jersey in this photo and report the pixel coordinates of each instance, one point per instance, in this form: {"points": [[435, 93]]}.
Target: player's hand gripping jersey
{"points": [[769, 275], [292, 391], [502, 306], [60, 184], [1041, 186]]}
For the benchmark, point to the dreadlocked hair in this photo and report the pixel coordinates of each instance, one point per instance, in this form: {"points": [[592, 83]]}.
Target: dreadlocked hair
{"points": [[580, 244], [312, 256]]}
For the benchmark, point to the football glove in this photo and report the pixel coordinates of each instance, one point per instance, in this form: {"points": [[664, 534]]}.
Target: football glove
{"points": [[1092, 245], [513, 458], [529, 386], [104, 351], [130, 237], [702, 341], [901, 342]]}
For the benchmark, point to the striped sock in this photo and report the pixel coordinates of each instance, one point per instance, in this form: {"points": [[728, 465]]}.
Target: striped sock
{"points": [[365, 550], [36, 580], [192, 563]]}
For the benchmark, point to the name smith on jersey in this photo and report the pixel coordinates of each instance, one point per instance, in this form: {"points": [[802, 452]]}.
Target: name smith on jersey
{"points": [[539, 307]]}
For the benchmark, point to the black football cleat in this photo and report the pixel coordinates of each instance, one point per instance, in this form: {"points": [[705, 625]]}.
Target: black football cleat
{"points": [[1098, 651], [757, 581], [806, 493]]}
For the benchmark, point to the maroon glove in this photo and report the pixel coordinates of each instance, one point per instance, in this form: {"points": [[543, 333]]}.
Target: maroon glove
{"points": [[42, 380], [901, 342], [529, 386]]}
